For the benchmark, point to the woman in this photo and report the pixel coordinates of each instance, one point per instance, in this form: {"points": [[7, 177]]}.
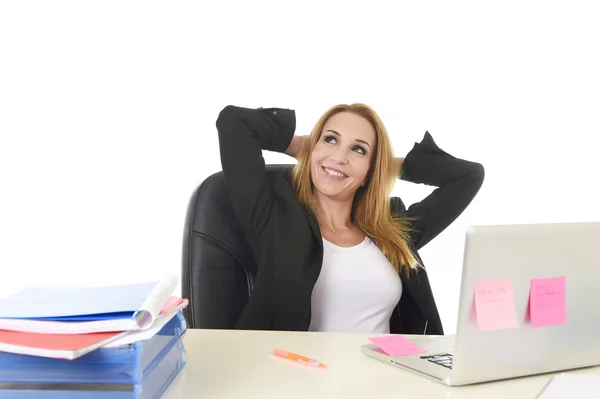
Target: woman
{"points": [[334, 251]]}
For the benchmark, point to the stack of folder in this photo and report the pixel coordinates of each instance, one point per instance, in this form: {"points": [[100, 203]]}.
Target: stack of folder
{"points": [[112, 342]]}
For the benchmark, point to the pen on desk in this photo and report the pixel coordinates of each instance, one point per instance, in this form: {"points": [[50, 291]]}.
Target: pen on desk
{"points": [[297, 358]]}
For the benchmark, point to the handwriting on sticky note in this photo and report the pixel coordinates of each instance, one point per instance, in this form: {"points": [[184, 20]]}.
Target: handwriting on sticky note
{"points": [[495, 305], [547, 301], [396, 345]]}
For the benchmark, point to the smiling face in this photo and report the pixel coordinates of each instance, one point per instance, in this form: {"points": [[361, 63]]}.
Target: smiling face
{"points": [[340, 160]]}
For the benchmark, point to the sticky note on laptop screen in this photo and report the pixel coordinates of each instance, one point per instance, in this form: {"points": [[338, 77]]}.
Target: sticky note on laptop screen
{"points": [[495, 305], [547, 301]]}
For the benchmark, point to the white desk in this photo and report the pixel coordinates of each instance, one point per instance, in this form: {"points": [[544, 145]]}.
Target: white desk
{"points": [[237, 364]]}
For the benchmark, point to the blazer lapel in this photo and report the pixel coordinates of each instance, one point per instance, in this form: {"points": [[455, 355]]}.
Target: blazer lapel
{"points": [[314, 225], [417, 284]]}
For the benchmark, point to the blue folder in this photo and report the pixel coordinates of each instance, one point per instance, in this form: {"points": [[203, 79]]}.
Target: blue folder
{"points": [[76, 304]]}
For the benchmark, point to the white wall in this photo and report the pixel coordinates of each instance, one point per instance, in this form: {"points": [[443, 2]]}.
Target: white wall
{"points": [[108, 109]]}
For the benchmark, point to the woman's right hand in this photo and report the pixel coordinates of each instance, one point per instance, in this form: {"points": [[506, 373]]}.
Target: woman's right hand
{"points": [[296, 147]]}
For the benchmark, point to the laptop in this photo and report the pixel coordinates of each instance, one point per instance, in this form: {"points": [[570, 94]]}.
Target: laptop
{"points": [[519, 253]]}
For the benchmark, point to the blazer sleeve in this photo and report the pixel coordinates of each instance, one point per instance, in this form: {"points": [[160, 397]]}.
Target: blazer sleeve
{"points": [[243, 134], [458, 181]]}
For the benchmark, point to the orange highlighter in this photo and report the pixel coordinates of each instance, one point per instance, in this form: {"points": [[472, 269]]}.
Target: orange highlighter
{"points": [[297, 358]]}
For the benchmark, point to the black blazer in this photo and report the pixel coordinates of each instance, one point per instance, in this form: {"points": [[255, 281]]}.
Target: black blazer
{"points": [[285, 237]]}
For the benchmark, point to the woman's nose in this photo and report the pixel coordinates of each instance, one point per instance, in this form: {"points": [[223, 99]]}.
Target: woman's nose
{"points": [[340, 156]]}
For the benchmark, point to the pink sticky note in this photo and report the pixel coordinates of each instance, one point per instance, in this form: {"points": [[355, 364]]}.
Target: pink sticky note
{"points": [[395, 345], [170, 304], [495, 305], [547, 301]]}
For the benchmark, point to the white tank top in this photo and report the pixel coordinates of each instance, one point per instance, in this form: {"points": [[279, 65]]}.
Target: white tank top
{"points": [[357, 290]]}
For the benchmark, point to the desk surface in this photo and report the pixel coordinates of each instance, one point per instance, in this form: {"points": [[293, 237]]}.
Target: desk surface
{"points": [[237, 364]]}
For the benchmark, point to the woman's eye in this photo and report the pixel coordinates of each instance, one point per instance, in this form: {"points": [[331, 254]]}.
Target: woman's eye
{"points": [[360, 150], [333, 140]]}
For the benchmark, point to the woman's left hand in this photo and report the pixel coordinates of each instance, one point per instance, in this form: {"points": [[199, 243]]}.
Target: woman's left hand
{"points": [[297, 146], [398, 165]]}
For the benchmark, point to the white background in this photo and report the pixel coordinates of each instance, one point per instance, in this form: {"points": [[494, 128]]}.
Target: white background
{"points": [[108, 109]]}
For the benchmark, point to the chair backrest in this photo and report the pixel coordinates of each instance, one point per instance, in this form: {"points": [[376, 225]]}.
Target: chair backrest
{"points": [[218, 267]]}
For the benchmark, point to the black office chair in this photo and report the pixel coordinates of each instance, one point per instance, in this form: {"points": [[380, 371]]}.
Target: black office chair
{"points": [[218, 267]]}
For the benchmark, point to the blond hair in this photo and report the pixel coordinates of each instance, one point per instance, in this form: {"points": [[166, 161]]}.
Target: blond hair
{"points": [[371, 211]]}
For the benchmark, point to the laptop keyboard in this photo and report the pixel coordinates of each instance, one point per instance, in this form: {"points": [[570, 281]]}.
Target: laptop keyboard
{"points": [[442, 359]]}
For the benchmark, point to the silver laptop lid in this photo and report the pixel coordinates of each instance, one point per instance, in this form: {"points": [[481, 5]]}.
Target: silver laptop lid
{"points": [[520, 253]]}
